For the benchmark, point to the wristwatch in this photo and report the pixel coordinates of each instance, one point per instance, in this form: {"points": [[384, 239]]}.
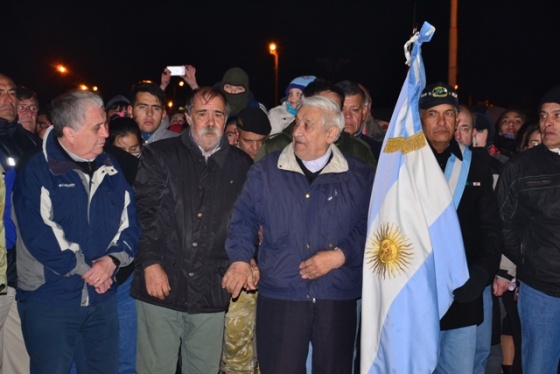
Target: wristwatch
{"points": [[115, 261]]}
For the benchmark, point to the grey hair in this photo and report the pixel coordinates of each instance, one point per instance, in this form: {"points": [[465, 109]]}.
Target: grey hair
{"points": [[330, 111], [69, 109]]}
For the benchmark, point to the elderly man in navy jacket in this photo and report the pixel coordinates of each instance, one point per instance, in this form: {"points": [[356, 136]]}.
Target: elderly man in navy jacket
{"points": [[312, 202]]}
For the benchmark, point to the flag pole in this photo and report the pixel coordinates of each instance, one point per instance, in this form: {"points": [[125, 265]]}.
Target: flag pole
{"points": [[452, 77]]}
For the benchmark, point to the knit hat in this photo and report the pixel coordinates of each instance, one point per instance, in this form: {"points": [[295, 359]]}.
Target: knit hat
{"points": [[236, 77], [480, 121], [552, 96], [116, 100], [300, 82], [254, 120], [437, 94]]}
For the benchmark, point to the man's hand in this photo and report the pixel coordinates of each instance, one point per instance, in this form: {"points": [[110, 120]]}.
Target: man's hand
{"points": [[190, 77], [256, 272], [101, 271], [500, 286], [104, 287], [239, 275], [157, 283], [321, 263]]}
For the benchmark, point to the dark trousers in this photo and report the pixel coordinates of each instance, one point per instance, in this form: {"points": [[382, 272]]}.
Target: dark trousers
{"points": [[51, 335], [285, 328]]}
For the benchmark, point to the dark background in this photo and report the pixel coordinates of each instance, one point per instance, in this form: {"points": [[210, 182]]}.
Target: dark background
{"points": [[508, 49]]}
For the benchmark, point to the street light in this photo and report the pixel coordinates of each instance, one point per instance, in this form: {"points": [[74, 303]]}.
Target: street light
{"points": [[61, 69], [273, 50]]}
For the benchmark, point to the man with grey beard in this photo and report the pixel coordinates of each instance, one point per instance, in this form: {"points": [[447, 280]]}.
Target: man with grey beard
{"points": [[185, 191]]}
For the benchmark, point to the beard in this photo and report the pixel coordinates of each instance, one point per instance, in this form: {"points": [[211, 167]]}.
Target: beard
{"points": [[208, 137]]}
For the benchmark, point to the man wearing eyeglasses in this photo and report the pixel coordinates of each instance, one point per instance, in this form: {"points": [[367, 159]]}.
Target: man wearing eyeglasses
{"points": [[15, 144], [27, 108]]}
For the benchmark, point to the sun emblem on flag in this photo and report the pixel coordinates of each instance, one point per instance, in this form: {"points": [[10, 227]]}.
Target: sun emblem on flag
{"points": [[389, 252]]}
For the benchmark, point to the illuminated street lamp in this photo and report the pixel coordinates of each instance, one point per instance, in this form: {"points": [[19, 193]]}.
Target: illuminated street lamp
{"points": [[83, 87], [61, 69], [273, 50]]}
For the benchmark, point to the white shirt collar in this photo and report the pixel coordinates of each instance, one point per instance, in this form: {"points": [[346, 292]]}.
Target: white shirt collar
{"points": [[319, 163]]}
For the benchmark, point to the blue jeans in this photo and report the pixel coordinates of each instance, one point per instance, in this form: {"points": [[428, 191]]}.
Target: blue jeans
{"points": [[540, 330], [457, 350], [51, 335], [484, 334], [126, 307]]}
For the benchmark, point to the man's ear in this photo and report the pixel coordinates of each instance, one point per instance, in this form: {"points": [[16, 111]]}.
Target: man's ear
{"points": [[332, 134], [129, 110], [365, 110], [68, 133], [189, 119]]}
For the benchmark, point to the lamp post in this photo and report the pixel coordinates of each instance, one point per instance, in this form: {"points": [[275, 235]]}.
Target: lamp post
{"points": [[273, 50]]}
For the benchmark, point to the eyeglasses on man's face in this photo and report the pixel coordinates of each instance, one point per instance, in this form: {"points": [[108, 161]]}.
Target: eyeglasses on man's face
{"points": [[31, 108]]}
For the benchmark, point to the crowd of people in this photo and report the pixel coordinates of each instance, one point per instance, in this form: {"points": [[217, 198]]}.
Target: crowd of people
{"points": [[226, 237]]}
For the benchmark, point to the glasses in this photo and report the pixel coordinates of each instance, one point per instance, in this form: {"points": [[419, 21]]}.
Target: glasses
{"points": [[31, 108]]}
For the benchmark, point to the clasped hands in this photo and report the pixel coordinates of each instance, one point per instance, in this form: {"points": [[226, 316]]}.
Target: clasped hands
{"points": [[241, 275]]}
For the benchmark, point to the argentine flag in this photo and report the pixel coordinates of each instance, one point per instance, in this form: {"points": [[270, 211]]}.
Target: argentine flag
{"points": [[414, 256]]}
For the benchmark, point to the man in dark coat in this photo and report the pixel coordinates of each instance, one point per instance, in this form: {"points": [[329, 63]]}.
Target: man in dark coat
{"points": [[185, 190], [468, 173]]}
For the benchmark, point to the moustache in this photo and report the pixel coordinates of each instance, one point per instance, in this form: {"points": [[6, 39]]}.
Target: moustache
{"points": [[210, 131]]}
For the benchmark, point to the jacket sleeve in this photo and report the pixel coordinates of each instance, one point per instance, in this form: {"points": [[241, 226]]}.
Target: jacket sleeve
{"points": [[353, 245], [42, 237], [149, 186], [124, 244], [491, 241], [244, 224], [506, 193]]}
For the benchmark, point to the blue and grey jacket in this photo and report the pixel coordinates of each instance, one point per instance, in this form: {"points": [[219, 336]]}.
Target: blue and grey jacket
{"points": [[66, 220]]}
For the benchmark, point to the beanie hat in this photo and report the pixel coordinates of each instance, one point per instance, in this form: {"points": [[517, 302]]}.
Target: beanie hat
{"points": [[552, 96], [254, 120], [300, 82], [437, 94], [480, 121], [236, 77], [116, 100]]}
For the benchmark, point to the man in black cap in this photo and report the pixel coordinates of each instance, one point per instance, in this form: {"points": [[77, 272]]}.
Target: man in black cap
{"points": [[528, 194], [470, 181], [238, 352], [253, 126]]}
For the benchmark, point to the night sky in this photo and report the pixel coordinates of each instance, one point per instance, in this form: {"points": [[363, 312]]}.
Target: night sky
{"points": [[508, 50]]}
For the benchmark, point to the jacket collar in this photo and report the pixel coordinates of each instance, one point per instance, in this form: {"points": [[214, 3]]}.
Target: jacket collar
{"points": [[287, 161], [58, 160], [219, 156], [7, 127]]}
